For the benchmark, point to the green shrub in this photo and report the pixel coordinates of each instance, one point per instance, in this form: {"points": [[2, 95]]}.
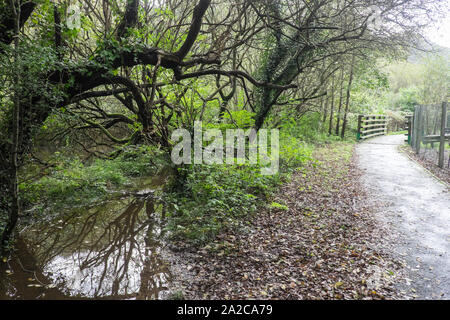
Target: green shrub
{"points": [[215, 197], [208, 199], [293, 152]]}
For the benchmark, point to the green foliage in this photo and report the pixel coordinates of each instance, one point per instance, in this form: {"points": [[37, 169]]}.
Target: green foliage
{"points": [[72, 182], [424, 81], [293, 152], [370, 88], [397, 133], [309, 130], [279, 206], [216, 197], [241, 118], [207, 199], [406, 99]]}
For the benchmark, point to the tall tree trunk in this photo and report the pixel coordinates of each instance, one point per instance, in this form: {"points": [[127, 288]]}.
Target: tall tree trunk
{"points": [[330, 127], [14, 208], [325, 110], [322, 106], [347, 102], [341, 85]]}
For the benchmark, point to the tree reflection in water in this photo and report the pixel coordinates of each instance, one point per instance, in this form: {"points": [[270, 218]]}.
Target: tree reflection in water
{"points": [[111, 251]]}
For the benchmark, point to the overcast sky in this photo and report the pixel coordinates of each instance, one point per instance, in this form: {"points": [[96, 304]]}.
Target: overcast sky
{"points": [[440, 33]]}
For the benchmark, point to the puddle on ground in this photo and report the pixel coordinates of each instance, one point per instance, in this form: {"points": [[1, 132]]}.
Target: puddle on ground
{"points": [[114, 250]]}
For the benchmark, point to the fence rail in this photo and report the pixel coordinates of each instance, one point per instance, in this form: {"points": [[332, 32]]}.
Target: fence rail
{"points": [[371, 126]]}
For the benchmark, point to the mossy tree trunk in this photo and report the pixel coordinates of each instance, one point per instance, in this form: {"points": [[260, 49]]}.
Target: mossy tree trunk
{"points": [[11, 181]]}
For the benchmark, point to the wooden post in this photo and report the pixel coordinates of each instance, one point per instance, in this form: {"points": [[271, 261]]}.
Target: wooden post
{"points": [[442, 140], [419, 129], [414, 128], [358, 134], [417, 145], [409, 124]]}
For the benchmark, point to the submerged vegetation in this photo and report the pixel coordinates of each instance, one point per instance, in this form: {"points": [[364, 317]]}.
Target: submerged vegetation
{"points": [[70, 182], [92, 92], [203, 199]]}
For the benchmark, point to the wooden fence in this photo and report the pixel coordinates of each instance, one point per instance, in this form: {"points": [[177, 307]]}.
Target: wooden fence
{"points": [[371, 126], [423, 130]]}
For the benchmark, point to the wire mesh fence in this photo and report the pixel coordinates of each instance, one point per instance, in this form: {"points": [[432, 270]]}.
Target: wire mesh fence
{"points": [[430, 134]]}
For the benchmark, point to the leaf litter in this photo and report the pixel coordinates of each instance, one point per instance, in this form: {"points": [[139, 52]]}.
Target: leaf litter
{"points": [[326, 245]]}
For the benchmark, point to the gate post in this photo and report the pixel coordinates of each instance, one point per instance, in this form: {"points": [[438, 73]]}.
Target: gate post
{"points": [[420, 128], [409, 124], [442, 140], [358, 135], [414, 127]]}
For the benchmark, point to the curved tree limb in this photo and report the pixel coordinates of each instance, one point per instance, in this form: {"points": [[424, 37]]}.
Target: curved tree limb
{"points": [[7, 20]]}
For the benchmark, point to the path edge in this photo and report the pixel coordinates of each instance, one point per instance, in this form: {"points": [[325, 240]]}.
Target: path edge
{"points": [[399, 147]]}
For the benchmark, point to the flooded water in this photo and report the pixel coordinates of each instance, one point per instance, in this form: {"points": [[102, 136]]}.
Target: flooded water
{"points": [[114, 250]]}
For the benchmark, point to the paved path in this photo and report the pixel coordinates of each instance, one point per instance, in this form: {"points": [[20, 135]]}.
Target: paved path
{"points": [[416, 208]]}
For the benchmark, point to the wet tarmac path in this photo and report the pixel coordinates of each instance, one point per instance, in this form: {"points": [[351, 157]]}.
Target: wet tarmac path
{"points": [[415, 207]]}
